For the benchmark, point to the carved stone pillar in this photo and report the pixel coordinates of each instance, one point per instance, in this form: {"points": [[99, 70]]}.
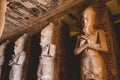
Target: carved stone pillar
{"points": [[46, 61], [61, 38], [18, 59], [104, 23], [2, 15]]}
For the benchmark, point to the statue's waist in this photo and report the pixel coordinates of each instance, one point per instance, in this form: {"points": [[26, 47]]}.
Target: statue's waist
{"points": [[91, 52]]}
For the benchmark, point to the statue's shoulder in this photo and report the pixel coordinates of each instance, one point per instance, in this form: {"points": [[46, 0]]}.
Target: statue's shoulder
{"points": [[23, 53], [52, 45]]}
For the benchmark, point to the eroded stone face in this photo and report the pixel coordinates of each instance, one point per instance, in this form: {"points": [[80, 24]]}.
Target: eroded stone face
{"points": [[89, 18], [46, 35], [19, 44]]}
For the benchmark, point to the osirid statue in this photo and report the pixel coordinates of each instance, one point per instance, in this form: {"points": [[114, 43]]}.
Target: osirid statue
{"points": [[91, 44], [18, 59], [46, 66]]}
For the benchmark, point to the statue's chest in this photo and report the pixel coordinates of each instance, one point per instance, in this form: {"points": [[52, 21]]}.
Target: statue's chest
{"points": [[93, 39]]}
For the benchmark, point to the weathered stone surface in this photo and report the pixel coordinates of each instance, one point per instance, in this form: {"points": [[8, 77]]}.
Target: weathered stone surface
{"points": [[18, 59]]}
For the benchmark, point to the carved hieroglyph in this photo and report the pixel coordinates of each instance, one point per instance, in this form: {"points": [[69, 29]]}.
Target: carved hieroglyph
{"points": [[90, 45], [46, 65], [18, 59], [2, 52]]}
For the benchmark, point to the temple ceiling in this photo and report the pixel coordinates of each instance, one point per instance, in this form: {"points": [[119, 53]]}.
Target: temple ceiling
{"points": [[24, 14]]}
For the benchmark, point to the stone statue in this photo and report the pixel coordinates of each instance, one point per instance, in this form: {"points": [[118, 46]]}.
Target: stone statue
{"points": [[18, 59], [2, 52], [46, 66], [90, 45]]}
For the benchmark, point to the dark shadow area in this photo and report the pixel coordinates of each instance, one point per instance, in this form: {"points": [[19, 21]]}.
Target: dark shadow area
{"points": [[117, 44], [117, 32], [33, 63], [74, 61]]}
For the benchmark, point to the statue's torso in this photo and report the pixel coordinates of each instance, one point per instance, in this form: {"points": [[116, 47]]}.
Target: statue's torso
{"points": [[92, 61], [46, 66], [92, 39], [17, 66]]}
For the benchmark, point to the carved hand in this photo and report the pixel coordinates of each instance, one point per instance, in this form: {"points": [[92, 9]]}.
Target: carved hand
{"points": [[78, 50]]}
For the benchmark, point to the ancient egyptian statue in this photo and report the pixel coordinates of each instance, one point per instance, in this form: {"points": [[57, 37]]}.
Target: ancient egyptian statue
{"points": [[2, 52], [46, 65], [18, 59], [91, 44]]}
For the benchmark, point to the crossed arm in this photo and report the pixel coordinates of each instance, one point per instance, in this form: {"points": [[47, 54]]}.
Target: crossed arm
{"points": [[80, 46], [99, 47]]}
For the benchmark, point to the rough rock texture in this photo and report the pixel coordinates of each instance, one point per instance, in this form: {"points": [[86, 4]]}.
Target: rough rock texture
{"points": [[61, 39]]}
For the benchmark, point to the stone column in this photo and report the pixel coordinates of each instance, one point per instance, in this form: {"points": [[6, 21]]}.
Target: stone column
{"points": [[104, 23], [61, 38], [18, 59], [46, 61], [2, 15]]}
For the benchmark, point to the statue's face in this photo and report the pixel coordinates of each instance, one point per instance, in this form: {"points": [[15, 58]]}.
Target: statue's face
{"points": [[45, 38], [19, 44], [46, 35], [89, 20]]}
